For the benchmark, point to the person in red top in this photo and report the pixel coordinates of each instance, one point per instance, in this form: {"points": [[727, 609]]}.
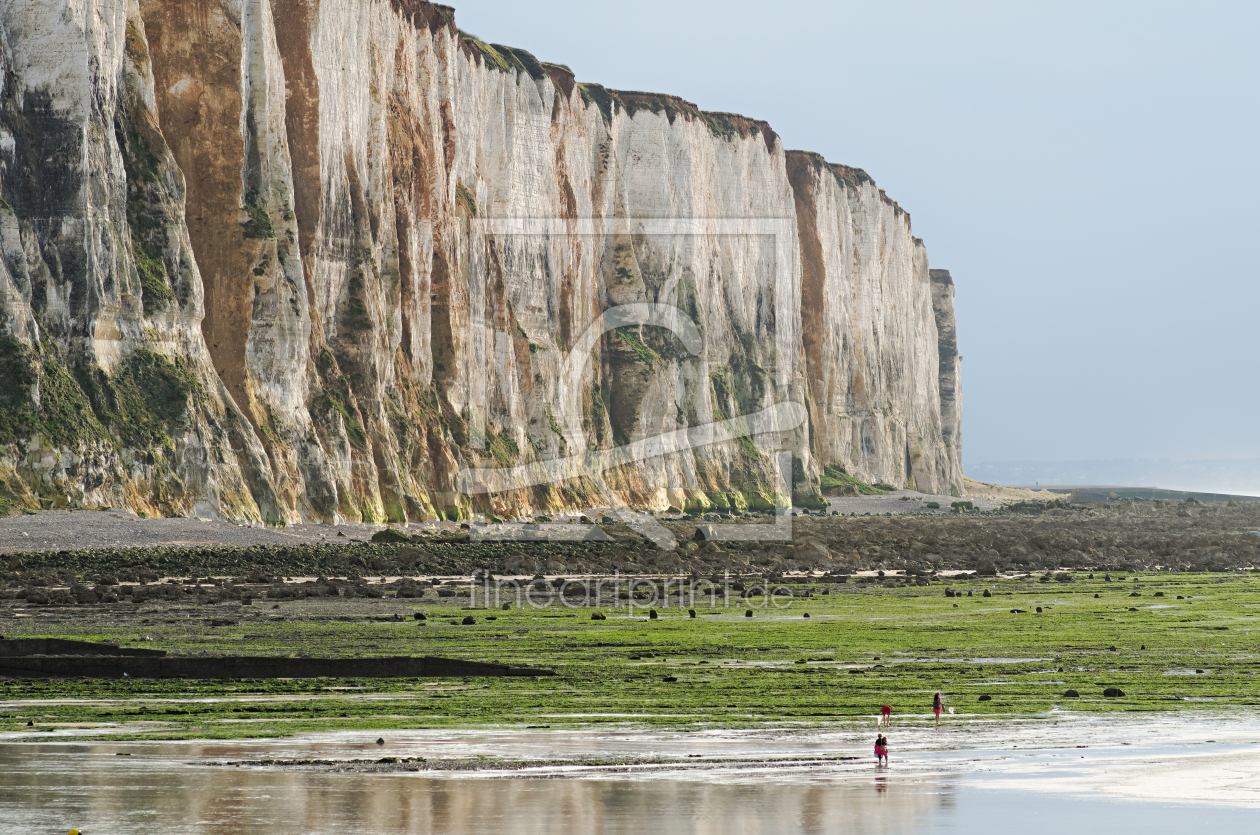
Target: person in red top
{"points": [[937, 702], [885, 713]]}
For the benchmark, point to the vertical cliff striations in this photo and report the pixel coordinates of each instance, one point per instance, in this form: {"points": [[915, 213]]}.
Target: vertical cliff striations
{"points": [[950, 383], [311, 259]]}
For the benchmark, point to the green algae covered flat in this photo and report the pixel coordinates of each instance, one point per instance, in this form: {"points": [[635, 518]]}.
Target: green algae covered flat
{"points": [[862, 646]]}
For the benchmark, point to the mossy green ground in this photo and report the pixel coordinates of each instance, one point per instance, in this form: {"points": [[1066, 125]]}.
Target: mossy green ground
{"points": [[862, 647]]}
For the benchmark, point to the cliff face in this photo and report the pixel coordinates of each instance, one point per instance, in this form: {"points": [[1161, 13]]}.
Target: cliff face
{"points": [[288, 259], [870, 331], [949, 367]]}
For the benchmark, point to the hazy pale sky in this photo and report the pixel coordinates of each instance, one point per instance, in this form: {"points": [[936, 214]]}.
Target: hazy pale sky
{"points": [[1086, 170]]}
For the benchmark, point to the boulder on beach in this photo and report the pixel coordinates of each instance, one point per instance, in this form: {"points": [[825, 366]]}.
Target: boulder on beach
{"points": [[390, 536]]}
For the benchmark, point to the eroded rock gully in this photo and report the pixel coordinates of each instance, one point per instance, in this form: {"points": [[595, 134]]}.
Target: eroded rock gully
{"points": [[308, 259]]}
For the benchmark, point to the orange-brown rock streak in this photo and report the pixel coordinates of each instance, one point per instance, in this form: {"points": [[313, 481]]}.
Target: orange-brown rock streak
{"points": [[196, 51]]}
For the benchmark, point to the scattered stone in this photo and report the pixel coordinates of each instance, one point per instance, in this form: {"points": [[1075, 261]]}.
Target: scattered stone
{"points": [[1159, 594], [469, 620], [1113, 693], [390, 536], [748, 614], [1038, 610], [506, 606], [670, 678], [420, 616], [652, 615], [380, 741], [985, 698], [987, 593], [691, 613], [806, 614], [1071, 694], [1112, 648], [598, 616], [1135, 594]]}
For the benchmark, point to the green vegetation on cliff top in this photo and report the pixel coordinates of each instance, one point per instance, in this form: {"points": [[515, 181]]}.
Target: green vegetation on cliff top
{"points": [[503, 58]]}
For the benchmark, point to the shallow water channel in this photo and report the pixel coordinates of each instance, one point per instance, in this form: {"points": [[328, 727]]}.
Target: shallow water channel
{"points": [[1155, 777]]}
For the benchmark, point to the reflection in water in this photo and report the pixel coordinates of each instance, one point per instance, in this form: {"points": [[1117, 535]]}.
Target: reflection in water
{"points": [[52, 788], [47, 789]]}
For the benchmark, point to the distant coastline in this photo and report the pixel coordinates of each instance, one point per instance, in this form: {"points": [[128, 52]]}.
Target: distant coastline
{"points": [[1240, 476]]}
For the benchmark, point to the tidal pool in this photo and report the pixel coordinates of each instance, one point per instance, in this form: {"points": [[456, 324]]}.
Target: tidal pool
{"points": [[1166, 775]]}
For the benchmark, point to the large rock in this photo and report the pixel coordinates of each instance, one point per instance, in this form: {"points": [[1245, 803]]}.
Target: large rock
{"points": [[812, 553]]}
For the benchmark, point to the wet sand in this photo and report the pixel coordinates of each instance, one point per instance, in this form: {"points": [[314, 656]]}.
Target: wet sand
{"points": [[1170, 758], [1182, 758], [1166, 775]]}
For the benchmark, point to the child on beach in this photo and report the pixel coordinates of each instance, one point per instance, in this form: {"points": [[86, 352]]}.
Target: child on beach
{"points": [[937, 702], [881, 750], [885, 713]]}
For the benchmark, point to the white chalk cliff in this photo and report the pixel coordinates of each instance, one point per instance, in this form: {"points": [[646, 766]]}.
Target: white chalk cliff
{"points": [[310, 259]]}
